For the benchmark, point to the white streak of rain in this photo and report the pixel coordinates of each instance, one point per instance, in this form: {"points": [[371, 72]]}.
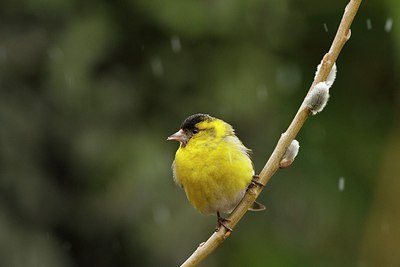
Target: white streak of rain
{"points": [[176, 44], [388, 25], [341, 184]]}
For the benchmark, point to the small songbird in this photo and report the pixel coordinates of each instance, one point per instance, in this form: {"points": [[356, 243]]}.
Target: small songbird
{"points": [[212, 165]]}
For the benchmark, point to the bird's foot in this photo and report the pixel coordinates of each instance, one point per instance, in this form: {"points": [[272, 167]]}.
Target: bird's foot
{"points": [[255, 181], [222, 222]]}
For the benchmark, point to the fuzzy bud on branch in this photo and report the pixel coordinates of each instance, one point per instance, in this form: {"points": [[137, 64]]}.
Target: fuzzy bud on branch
{"points": [[290, 154], [317, 98]]}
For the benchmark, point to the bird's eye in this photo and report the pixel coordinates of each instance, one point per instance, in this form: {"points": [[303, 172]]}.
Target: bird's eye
{"points": [[195, 130]]}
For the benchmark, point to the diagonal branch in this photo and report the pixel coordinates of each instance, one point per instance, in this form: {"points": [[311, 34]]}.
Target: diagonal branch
{"points": [[342, 35]]}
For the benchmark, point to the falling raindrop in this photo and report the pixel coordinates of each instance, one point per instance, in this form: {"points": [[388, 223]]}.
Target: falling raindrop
{"points": [[369, 24], [384, 226], [288, 77], [3, 54], [388, 24], [55, 53], [176, 44], [116, 245], [262, 92], [161, 214], [157, 66], [69, 78], [341, 184], [66, 246], [325, 27]]}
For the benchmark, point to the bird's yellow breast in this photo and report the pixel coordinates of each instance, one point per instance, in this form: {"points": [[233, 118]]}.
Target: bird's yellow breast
{"points": [[214, 169]]}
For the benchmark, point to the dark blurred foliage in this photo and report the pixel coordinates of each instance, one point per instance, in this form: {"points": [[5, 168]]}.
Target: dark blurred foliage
{"points": [[89, 91]]}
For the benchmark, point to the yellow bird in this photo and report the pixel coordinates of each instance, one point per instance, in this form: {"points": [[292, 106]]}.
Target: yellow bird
{"points": [[212, 165]]}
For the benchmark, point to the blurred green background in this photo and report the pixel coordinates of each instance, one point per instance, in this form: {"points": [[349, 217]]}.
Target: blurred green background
{"points": [[90, 90]]}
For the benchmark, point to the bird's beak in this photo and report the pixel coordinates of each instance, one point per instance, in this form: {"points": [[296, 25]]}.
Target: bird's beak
{"points": [[179, 136]]}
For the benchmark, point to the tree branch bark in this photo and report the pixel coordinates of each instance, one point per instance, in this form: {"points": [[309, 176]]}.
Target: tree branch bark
{"points": [[342, 35]]}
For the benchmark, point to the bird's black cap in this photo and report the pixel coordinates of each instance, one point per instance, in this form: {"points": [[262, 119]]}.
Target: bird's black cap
{"points": [[190, 122]]}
